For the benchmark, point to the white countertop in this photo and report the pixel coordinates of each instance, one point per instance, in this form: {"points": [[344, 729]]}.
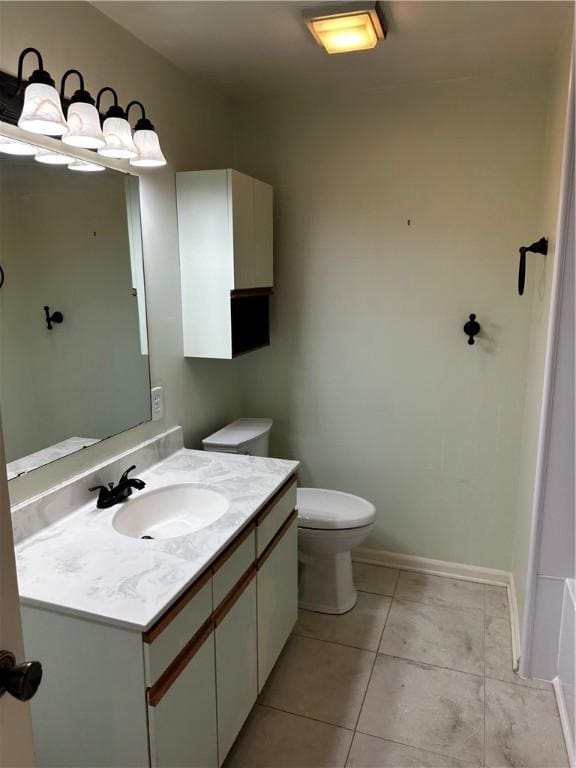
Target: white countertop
{"points": [[81, 565]]}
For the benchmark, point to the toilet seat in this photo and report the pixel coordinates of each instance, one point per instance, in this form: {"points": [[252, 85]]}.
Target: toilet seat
{"points": [[325, 510]]}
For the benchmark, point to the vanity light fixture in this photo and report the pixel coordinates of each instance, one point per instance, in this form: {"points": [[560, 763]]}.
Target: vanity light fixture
{"points": [[42, 111], [116, 129], [146, 141], [14, 147], [85, 166], [83, 119], [346, 28], [48, 157]]}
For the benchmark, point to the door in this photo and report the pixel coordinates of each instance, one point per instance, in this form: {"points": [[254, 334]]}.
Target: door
{"points": [[183, 716], [16, 744], [277, 597], [236, 662]]}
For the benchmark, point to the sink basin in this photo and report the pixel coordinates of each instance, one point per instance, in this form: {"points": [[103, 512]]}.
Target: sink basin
{"points": [[165, 513]]}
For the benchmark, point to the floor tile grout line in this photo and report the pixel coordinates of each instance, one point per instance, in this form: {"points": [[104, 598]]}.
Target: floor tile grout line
{"points": [[411, 746], [369, 679], [306, 717]]}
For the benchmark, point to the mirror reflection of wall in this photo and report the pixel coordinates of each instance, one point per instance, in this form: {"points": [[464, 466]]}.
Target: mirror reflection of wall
{"points": [[70, 241]]}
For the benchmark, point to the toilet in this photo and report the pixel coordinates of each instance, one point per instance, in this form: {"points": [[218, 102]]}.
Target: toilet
{"points": [[330, 524]]}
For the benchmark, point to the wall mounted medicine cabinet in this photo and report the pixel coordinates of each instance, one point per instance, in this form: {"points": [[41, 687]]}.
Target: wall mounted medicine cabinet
{"points": [[226, 265]]}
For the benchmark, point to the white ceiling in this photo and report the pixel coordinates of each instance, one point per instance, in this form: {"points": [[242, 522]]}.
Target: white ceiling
{"points": [[255, 49]]}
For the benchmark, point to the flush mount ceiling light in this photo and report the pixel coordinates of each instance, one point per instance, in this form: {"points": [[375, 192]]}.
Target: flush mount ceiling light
{"points": [[116, 129], [346, 28], [146, 141], [42, 112], [83, 119]]}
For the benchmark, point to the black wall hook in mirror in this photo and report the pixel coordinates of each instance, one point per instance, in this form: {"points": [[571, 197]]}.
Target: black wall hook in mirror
{"points": [[540, 246], [55, 317], [471, 329]]}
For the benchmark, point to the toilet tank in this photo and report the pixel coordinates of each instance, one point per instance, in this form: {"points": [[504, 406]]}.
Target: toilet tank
{"points": [[241, 436]]}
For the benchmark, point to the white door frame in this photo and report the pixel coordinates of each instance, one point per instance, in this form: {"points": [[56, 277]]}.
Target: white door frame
{"points": [[563, 245], [16, 740]]}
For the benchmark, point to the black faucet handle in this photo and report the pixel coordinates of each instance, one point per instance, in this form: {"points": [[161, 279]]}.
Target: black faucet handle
{"points": [[125, 474], [97, 488]]}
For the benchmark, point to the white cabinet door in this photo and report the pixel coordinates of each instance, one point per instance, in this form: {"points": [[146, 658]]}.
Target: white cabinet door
{"points": [[236, 663], [183, 716], [242, 196], [262, 260], [277, 598]]}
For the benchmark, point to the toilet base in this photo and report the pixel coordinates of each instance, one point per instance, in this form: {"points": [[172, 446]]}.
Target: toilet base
{"points": [[325, 582]]}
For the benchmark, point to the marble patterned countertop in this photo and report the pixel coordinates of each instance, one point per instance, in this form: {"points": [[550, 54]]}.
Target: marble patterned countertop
{"points": [[81, 565]]}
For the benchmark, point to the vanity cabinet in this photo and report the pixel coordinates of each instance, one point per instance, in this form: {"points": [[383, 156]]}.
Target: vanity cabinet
{"points": [[177, 695], [225, 235]]}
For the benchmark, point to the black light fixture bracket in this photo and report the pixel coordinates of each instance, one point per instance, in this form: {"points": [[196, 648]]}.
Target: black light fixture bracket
{"points": [[143, 123], [81, 95], [39, 75], [115, 110]]}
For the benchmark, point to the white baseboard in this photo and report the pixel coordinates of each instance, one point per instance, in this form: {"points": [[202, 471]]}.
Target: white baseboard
{"points": [[475, 573], [434, 567], [565, 721]]}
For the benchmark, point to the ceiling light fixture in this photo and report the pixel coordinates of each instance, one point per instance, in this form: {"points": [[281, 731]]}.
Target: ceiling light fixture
{"points": [[116, 129], [84, 166], [48, 157], [346, 28], [83, 119], [146, 141], [14, 147], [42, 111]]}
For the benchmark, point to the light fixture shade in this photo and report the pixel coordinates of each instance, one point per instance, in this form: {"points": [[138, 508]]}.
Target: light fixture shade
{"points": [[48, 157], [84, 126], [42, 111], [118, 135], [342, 34], [149, 152], [84, 166], [13, 147]]}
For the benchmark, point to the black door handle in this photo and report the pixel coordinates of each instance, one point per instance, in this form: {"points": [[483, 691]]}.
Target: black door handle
{"points": [[19, 680]]}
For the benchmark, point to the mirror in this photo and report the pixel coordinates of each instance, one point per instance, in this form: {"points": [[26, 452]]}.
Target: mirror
{"points": [[73, 337]]}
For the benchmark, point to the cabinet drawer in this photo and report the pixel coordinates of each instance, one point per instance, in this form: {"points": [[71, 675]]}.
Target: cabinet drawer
{"points": [[274, 515], [233, 563], [164, 641]]}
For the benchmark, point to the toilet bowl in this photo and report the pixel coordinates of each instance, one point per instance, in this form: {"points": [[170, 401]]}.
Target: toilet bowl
{"points": [[330, 525]]}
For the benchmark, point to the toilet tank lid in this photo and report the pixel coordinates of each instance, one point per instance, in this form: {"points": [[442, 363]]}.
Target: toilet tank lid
{"points": [[239, 433]]}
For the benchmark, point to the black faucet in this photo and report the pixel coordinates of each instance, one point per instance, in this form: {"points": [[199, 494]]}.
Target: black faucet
{"points": [[110, 495]]}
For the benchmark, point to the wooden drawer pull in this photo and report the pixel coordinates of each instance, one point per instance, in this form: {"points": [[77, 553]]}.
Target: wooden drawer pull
{"points": [[161, 687], [234, 595], [292, 480], [221, 559], [157, 629], [276, 540]]}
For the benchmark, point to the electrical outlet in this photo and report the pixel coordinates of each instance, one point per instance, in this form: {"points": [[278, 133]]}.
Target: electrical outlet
{"points": [[157, 403]]}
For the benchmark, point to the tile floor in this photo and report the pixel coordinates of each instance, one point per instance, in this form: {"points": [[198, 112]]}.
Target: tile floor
{"points": [[418, 674]]}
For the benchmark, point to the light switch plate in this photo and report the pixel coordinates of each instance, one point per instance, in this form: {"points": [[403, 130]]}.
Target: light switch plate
{"points": [[157, 403]]}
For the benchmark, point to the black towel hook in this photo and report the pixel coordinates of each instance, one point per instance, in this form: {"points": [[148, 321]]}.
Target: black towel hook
{"points": [[472, 328], [540, 246], [55, 317]]}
